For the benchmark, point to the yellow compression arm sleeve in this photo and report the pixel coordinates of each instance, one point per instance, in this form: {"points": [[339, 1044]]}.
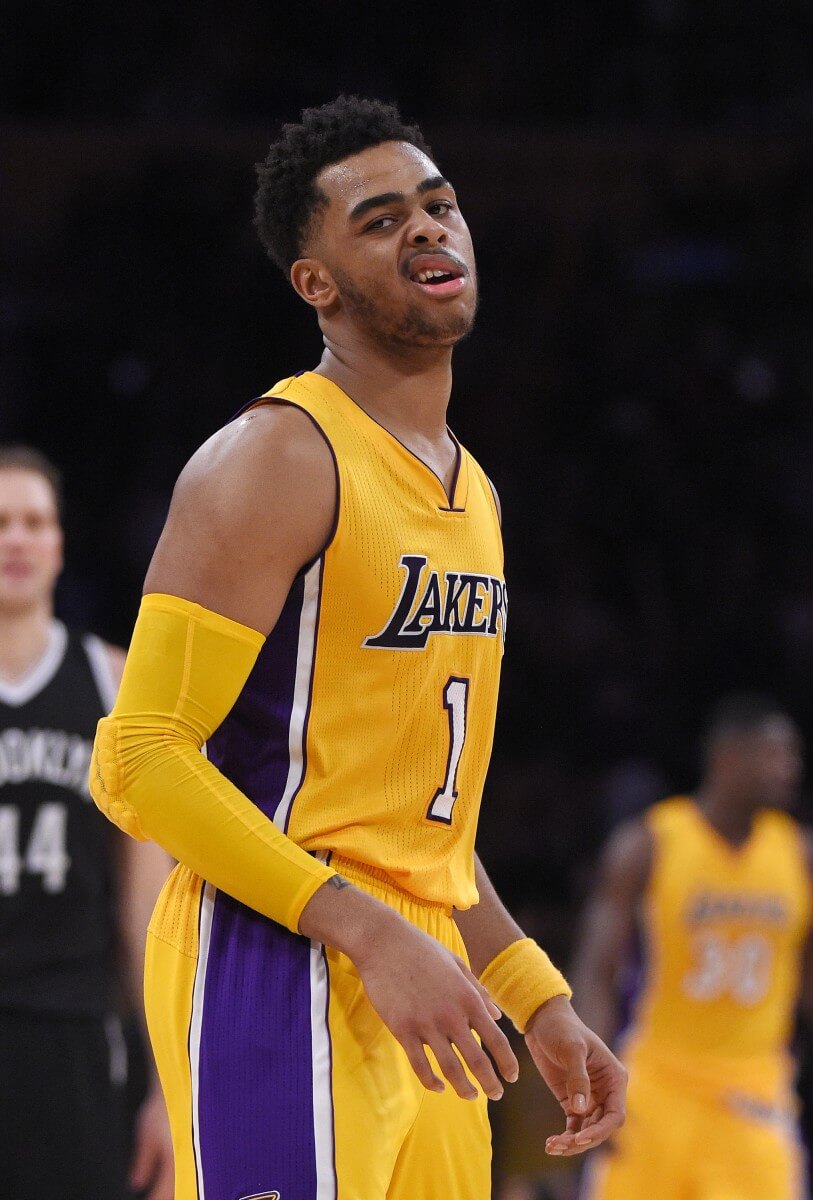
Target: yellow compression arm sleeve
{"points": [[185, 669]]}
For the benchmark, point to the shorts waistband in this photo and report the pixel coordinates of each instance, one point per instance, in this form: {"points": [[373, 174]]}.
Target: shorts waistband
{"points": [[378, 881]]}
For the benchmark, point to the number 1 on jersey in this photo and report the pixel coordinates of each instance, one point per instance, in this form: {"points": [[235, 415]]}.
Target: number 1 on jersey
{"points": [[455, 701]]}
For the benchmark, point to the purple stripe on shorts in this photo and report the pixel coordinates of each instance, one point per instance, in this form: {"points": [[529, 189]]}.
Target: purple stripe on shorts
{"points": [[255, 1072], [251, 746]]}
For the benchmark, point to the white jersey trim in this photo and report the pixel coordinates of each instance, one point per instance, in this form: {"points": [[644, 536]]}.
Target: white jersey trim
{"points": [[25, 689], [101, 670], [196, 1025], [297, 729], [321, 1059]]}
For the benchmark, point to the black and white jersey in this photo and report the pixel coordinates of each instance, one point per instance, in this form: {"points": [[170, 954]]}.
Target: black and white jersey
{"points": [[56, 850]]}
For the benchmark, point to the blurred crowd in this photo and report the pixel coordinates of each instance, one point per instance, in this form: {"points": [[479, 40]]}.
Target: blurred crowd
{"points": [[639, 60]]}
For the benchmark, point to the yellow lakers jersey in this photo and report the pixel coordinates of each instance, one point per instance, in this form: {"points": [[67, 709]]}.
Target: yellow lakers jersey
{"points": [[366, 727], [724, 930]]}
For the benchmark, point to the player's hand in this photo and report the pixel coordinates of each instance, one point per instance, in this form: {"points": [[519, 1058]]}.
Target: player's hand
{"points": [[153, 1168], [427, 996], [585, 1077]]}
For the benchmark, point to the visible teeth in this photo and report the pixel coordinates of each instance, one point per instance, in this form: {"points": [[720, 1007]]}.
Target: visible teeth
{"points": [[425, 276]]}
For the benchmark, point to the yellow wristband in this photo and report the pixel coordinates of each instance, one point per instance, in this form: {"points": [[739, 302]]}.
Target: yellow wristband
{"points": [[521, 978]]}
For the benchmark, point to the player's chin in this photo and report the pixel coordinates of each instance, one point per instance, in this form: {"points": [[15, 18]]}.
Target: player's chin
{"points": [[443, 339], [447, 329]]}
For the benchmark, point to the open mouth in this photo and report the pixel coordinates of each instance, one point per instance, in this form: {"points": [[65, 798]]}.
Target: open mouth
{"points": [[437, 275], [434, 277]]}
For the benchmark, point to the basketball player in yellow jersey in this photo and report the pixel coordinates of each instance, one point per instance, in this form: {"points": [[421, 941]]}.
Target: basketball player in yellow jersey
{"points": [[719, 885], [326, 610]]}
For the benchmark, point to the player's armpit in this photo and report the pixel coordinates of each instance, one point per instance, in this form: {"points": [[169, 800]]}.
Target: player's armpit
{"points": [[185, 668]]}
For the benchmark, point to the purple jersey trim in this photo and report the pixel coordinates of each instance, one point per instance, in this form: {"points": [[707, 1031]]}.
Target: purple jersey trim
{"points": [[251, 747], [256, 1104]]}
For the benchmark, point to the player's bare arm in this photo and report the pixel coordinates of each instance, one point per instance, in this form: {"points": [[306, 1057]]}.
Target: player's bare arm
{"points": [[586, 1078], [806, 992], [143, 869], [142, 872], [254, 505], [609, 926]]}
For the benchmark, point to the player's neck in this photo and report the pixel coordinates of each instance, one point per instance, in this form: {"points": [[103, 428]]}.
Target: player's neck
{"points": [[408, 394], [24, 636], [732, 823]]}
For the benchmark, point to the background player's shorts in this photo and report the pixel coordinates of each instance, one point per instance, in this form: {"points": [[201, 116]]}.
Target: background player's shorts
{"points": [[62, 1107], [280, 1078], [680, 1143]]}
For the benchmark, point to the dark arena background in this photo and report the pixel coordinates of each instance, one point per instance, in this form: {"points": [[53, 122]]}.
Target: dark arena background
{"points": [[636, 174]]}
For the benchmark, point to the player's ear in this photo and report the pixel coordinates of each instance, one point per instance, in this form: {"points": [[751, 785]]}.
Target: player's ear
{"points": [[313, 282]]}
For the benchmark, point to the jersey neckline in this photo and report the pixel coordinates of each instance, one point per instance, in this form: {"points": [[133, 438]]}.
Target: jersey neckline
{"points": [[15, 695], [736, 852], [454, 500]]}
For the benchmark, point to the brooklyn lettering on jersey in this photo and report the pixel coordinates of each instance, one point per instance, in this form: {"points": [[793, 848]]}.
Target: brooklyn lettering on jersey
{"points": [[456, 602], [50, 755]]}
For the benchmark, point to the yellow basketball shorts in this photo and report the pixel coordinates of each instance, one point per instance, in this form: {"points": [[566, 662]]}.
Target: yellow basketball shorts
{"points": [[681, 1143], [281, 1080]]}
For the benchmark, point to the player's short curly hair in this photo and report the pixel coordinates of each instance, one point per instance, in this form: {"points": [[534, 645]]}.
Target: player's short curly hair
{"points": [[287, 196]]}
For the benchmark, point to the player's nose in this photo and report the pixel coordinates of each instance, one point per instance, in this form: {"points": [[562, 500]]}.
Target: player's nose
{"points": [[424, 230]]}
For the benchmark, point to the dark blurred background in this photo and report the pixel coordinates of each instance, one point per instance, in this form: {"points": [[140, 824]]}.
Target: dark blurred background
{"points": [[637, 177]]}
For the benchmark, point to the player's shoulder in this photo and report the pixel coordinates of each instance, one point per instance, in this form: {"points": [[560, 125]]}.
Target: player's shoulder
{"points": [[272, 437], [628, 855], [787, 831], [270, 467], [631, 850]]}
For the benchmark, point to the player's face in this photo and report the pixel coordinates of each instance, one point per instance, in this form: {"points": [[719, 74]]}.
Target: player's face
{"points": [[30, 540], [772, 764], [395, 243]]}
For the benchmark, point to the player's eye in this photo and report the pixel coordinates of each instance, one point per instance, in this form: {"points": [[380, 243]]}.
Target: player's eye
{"points": [[439, 207], [381, 223]]}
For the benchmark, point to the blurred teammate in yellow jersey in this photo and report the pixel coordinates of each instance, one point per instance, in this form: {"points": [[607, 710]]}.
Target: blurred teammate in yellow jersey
{"points": [[718, 885], [326, 609]]}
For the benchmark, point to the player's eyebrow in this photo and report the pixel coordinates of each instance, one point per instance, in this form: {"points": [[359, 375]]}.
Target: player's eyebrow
{"points": [[429, 185], [426, 185]]}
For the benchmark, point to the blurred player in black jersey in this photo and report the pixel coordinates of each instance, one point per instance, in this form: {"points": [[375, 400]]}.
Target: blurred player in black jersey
{"points": [[75, 895]]}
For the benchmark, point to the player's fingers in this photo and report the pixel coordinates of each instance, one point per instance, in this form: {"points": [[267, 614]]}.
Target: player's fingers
{"points": [[577, 1081], [562, 1144], [594, 1135], [595, 1116], [452, 1068], [492, 1009], [420, 1065], [498, 1046], [480, 1065]]}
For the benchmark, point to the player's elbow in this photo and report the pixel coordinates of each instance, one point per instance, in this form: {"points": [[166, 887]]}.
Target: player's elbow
{"points": [[106, 780], [125, 752]]}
